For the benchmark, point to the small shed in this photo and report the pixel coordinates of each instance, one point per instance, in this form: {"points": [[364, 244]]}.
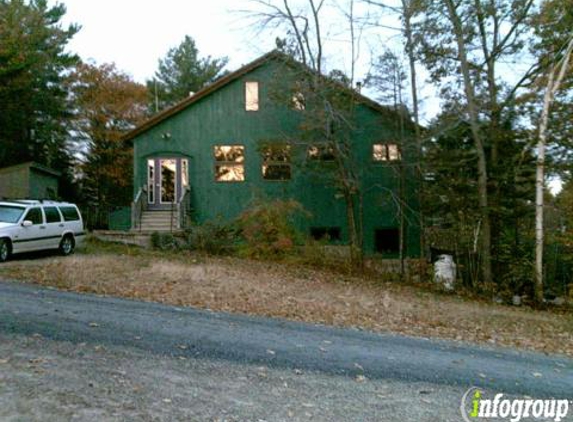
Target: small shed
{"points": [[29, 181]]}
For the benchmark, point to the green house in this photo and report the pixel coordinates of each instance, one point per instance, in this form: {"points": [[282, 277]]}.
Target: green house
{"points": [[29, 181], [205, 159]]}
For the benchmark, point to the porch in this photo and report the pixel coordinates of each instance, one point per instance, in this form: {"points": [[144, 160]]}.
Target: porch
{"points": [[163, 203]]}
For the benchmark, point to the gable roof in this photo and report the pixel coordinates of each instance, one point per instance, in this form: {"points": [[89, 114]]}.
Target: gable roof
{"points": [[225, 80]]}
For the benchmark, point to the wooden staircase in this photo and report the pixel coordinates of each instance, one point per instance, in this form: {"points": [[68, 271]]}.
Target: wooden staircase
{"points": [[159, 221]]}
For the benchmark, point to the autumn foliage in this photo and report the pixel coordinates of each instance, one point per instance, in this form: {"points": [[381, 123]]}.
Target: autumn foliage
{"points": [[108, 103]]}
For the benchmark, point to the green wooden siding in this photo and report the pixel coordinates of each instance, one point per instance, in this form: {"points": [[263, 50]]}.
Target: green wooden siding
{"points": [[220, 119], [43, 186]]}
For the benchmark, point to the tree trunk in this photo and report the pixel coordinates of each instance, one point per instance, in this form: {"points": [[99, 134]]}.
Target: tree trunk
{"points": [[552, 87], [356, 250], [478, 142], [407, 16]]}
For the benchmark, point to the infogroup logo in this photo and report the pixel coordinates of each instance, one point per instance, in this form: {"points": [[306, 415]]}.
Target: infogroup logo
{"points": [[475, 406]]}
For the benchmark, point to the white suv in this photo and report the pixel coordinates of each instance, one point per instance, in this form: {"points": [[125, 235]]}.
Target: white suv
{"points": [[27, 226]]}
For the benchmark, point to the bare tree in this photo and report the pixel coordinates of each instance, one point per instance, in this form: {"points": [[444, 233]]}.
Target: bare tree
{"points": [[406, 12], [328, 115], [556, 74], [463, 44]]}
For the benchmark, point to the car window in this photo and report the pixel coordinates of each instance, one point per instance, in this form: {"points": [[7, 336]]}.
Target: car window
{"points": [[35, 216], [10, 214], [70, 213], [52, 215]]}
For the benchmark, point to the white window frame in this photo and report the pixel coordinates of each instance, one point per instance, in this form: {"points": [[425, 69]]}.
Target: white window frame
{"points": [[176, 183], [390, 151], [252, 97]]}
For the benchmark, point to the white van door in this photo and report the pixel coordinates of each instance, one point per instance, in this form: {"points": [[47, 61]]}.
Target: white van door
{"points": [[33, 237]]}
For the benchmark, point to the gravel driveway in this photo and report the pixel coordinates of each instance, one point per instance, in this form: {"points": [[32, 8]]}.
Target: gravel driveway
{"points": [[66, 356]]}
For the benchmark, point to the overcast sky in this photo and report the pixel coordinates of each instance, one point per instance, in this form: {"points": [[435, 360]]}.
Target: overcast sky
{"points": [[135, 34]]}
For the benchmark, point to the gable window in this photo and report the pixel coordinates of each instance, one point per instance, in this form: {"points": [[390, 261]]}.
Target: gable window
{"points": [[276, 162], [321, 152], [251, 96], [229, 163], [386, 152]]}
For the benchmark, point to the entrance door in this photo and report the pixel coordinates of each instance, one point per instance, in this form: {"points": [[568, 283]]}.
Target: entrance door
{"points": [[167, 178]]}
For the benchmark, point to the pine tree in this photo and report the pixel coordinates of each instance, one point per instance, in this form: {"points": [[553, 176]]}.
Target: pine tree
{"points": [[182, 72], [33, 100]]}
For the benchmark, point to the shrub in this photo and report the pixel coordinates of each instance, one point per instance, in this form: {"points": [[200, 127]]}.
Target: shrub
{"points": [[163, 241], [267, 229], [213, 238]]}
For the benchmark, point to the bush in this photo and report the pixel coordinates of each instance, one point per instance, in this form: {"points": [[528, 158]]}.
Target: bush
{"points": [[214, 238], [267, 229], [163, 241]]}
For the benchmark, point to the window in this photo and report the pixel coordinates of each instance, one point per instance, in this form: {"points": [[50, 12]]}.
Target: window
{"points": [[185, 173], [151, 181], [35, 216], [251, 96], [9, 214], [386, 152], [168, 181], [70, 213], [326, 233], [321, 152], [229, 163], [52, 215], [276, 162], [298, 101], [387, 241]]}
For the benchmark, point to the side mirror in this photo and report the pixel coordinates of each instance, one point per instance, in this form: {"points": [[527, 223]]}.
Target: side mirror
{"points": [[27, 223]]}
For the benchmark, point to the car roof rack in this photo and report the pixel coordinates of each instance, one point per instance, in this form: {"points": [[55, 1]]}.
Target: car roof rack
{"points": [[33, 201]]}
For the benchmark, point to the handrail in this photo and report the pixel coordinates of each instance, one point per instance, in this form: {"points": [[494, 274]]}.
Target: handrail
{"points": [[171, 219], [183, 208], [137, 208]]}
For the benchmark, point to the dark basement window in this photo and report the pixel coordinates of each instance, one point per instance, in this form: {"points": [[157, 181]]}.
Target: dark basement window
{"points": [[326, 233], [387, 241]]}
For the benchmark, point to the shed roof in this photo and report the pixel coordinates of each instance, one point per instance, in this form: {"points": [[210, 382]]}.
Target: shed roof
{"points": [[31, 165]]}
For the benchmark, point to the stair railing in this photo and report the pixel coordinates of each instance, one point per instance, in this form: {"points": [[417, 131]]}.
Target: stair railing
{"points": [[137, 208], [172, 213], [183, 209]]}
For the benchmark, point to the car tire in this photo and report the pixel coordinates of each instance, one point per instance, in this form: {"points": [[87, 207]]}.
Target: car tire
{"points": [[67, 245], [4, 250]]}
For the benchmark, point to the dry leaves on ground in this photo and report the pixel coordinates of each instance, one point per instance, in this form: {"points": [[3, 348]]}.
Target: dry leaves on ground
{"points": [[288, 291]]}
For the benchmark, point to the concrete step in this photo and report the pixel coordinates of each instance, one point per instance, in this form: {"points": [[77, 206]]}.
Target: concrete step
{"points": [[158, 225], [158, 220]]}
